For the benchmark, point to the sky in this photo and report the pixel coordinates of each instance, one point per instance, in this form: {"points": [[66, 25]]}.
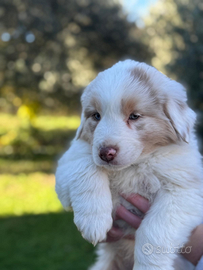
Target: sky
{"points": [[136, 9]]}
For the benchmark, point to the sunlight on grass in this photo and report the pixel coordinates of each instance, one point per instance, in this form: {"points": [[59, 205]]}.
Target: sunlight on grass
{"points": [[28, 194], [10, 122], [44, 135], [57, 122]]}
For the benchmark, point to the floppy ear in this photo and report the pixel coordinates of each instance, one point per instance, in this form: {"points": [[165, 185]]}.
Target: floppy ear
{"points": [[80, 129], [182, 118]]}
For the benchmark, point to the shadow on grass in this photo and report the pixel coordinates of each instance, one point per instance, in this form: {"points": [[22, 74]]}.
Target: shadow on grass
{"points": [[40, 242]]}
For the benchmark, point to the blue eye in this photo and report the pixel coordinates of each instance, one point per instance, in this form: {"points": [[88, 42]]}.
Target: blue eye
{"points": [[96, 116], [134, 116]]}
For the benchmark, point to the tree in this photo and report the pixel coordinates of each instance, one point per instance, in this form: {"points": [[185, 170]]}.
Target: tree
{"points": [[176, 35], [51, 49]]}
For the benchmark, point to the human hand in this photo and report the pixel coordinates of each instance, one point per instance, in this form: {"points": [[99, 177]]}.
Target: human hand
{"points": [[195, 245], [196, 239], [122, 213]]}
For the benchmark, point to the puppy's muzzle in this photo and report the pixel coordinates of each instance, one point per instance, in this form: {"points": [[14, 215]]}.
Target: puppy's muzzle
{"points": [[108, 153]]}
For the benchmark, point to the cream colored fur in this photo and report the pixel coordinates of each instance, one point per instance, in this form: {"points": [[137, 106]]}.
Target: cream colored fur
{"points": [[157, 158]]}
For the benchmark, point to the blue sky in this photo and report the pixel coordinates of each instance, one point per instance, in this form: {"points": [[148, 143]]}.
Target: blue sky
{"points": [[136, 9]]}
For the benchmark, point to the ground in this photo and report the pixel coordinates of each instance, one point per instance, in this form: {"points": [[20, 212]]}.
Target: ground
{"points": [[35, 232]]}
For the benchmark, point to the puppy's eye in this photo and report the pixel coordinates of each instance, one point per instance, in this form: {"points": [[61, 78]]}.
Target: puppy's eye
{"points": [[134, 116], [96, 116]]}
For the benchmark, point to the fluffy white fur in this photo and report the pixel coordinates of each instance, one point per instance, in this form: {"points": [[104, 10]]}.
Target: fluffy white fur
{"points": [[168, 173]]}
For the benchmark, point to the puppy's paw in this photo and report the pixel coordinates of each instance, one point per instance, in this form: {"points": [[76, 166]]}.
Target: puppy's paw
{"points": [[93, 227]]}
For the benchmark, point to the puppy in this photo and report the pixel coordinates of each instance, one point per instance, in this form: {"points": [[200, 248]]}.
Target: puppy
{"points": [[136, 136]]}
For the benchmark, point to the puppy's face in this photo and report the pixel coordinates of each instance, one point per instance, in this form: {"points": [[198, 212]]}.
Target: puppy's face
{"points": [[126, 114]]}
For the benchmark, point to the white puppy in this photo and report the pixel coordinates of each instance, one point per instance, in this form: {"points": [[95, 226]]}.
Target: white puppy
{"points": [[136, 136]]}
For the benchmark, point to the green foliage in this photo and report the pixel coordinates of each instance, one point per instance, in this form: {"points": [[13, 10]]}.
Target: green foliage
{"points": [[175, 34], [56, 47]]}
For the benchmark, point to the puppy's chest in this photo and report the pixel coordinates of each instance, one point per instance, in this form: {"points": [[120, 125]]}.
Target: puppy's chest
{"points": [[136, 179]]}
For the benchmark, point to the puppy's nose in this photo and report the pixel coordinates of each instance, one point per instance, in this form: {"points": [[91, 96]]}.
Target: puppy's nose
{"points": [[107, 153]]}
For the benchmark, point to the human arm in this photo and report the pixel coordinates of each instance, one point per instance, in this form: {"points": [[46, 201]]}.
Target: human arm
{"points": [[196, 242]]}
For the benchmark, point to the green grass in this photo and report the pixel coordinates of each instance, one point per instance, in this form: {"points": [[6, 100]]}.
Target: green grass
{"points": [[44, 136], [10, 122], [28, 194], [39, 242], [57, 122], [35, 233]]}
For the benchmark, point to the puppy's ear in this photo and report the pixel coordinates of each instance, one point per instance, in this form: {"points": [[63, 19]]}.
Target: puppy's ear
{"points": [[80, 129], [182, 118]]}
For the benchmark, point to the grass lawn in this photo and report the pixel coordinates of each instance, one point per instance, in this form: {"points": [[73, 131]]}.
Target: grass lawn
{"points": [[28, 194], [35, 233], [46, 241]]}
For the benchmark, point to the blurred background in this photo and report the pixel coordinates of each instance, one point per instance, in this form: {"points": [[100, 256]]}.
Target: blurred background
{"points": [[49, 51]]}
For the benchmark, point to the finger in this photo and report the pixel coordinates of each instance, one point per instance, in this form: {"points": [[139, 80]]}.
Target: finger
{"points": [[129, 237], [115, 232], [138, 201], [114, 235], [133, 220]]}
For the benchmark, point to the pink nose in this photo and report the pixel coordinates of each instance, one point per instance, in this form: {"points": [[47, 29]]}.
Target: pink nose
{"points": [[107, 153]]}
